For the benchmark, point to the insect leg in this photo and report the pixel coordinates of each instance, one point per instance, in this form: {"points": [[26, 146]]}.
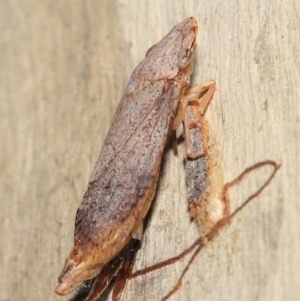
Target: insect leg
{"points": [[126, 269], [120, 267], [102, 280], [175, 123], [201, 95]]}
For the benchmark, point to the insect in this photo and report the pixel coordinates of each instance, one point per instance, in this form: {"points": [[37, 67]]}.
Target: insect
{"points": [[109, 221], [213, 230], [204, 177]]}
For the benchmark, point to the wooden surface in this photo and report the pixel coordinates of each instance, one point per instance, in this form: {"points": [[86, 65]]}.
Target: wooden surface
{"points": [[63, 68]]}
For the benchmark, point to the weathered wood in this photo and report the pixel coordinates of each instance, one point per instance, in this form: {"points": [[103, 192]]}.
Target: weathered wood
{"points": [[64, 66]]}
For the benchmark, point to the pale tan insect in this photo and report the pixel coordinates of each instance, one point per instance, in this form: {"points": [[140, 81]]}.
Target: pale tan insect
{"points": [[124, 180], [204, 176], [213, 230]]}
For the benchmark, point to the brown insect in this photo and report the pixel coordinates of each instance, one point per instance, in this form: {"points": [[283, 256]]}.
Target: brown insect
{"points": [[204, 176], [216, 228], [108, 224]]}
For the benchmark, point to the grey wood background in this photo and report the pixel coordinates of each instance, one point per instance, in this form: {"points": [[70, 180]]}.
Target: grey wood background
{"points": [[63, 68]]}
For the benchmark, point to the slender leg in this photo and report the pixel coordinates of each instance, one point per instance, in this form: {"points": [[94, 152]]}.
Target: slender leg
{"points": [[102, 280], [174, 142], [120, 267], [201, 95], [126, 269], [178, 118]]}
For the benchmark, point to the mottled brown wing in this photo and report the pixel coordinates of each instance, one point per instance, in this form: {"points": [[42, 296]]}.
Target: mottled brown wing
{"points": [[128, 162]]}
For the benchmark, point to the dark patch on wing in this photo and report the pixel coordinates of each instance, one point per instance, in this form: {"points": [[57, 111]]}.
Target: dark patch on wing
{"points": [[144, 182]]}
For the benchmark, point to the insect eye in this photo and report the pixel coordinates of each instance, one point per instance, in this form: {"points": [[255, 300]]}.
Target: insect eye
{"points": [[184, 57]]}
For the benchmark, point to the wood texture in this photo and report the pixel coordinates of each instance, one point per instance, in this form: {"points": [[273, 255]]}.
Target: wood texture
{"points": [[63, 68]]}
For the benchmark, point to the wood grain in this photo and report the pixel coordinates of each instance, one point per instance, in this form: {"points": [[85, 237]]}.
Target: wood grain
{"points": [[63, 68]]}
